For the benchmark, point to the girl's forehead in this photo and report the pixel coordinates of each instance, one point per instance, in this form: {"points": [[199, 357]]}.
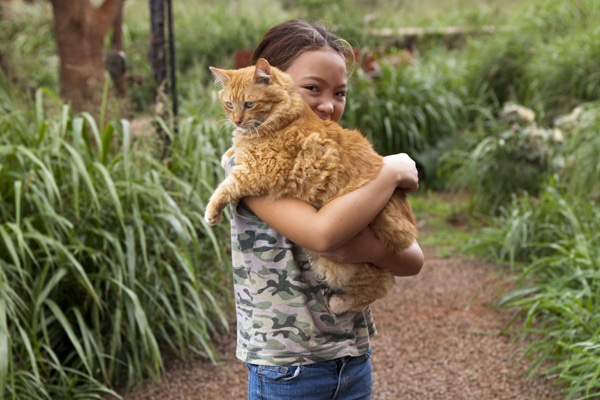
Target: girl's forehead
{"points": [[325, 63]]}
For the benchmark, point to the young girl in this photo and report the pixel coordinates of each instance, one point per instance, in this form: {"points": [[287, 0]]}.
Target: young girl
{"points": [[293, 346]]}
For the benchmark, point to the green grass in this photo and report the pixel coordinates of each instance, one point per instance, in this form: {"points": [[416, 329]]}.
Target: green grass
{"points": [[580, 158], [549, 241], [106, 261], [551, 245]]}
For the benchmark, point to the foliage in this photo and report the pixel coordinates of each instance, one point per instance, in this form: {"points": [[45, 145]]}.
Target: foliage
{"points": [[566, 72], [496, 68], [407, 109], [553, 242], [219, 29], [105, 258], [581, 162], [545, 59], [23, 39], [550, 241], [516, 157]]}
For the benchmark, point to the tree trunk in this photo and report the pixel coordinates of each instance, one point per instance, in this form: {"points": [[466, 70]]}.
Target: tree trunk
{"points": [[80, 29], [5, 9], [119, 76]]}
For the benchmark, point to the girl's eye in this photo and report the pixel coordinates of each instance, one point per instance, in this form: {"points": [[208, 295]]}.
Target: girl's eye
{"points": [[249, 104], [312, 88], [341, 94], [229, 104]]}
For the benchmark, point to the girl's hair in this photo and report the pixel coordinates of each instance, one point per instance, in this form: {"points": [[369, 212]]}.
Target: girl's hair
{"points": [[285, 42]]}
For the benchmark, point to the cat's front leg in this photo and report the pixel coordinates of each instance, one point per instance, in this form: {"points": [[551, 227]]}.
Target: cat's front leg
{"points": [[218, 201]]}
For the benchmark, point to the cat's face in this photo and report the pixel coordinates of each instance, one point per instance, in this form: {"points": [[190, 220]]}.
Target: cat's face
{"points": [[248, 95]]}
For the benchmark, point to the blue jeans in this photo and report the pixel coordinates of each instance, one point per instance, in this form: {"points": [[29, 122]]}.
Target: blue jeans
{"points": [[346, 378]]}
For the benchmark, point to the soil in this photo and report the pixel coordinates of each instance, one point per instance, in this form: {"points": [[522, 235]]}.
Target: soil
{"points": [[439, 337]]}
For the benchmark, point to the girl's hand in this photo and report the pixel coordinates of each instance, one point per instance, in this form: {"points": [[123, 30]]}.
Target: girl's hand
{"points": [[407, 175], [344, 217]]}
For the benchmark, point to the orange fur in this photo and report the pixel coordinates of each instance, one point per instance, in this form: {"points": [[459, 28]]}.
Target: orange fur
{"points": [[283, 149]]}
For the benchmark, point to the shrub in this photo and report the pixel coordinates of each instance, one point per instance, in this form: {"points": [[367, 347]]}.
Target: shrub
{"points": [[581, 161], [551, 243], [406, 109], [516, 158], [545, 59], [105, 259]]}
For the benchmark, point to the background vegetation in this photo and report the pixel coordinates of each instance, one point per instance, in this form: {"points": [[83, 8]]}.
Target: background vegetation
{"points": [[106, 264]]}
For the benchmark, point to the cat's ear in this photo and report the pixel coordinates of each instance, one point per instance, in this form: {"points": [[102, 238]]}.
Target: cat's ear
{"points": [[220, 76], [262, 73]]}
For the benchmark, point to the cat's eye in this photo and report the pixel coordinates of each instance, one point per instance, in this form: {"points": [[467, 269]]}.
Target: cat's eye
{"points": [[229, 104], [249, 104]]}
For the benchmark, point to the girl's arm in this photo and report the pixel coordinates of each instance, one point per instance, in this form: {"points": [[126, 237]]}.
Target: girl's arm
{"points": [[365, 247], [340, 220]]}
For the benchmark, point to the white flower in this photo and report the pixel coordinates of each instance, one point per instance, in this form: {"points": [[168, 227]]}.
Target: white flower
{"points": [[517, 113], [569, 122], [558, 135]]}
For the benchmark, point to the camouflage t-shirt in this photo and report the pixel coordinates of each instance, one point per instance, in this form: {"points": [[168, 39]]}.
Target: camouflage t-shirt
{"points": [[282, 316]]}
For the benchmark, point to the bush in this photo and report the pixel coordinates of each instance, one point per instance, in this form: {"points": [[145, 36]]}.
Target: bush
{"points": [[551, 243], [581, 162], [516, 158], [408, 109], [105, 258], [497, 69], [26, 55], [545, 59]]}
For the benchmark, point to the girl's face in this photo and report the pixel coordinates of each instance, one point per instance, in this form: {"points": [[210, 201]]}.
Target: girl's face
{"points": [[320, 76]]}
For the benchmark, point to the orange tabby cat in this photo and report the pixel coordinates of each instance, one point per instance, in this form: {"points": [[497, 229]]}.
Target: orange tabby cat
{"points": [[283, 149]]}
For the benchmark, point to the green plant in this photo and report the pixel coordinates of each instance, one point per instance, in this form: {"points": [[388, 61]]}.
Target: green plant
{"points": [[565, 72], [551, 243], [24, 37], [496, 69], [105, 258], [581, 162], [410, 109], [517, 158], [544, 59]]}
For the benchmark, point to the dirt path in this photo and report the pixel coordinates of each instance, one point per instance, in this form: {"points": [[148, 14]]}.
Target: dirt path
{"points": [[438, 339]]}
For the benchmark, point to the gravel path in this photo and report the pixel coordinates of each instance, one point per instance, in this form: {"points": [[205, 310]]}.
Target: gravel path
{"points": [[438, 339]]}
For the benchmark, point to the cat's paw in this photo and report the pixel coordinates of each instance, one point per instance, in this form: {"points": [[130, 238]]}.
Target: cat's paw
{"points": [[338, 305], [212, 216]]}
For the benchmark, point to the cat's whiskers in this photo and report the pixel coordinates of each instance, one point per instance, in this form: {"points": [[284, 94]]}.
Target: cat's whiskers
{"points": [[259, 132], [267, 128], [255, 131], [254, 126], [226, 122]]}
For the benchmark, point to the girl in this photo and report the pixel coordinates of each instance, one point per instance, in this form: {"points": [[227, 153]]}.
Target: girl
{"points": [[293, 346]]}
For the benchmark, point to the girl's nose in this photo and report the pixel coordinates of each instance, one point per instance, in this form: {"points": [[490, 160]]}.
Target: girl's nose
{"points": [[325, 109]]}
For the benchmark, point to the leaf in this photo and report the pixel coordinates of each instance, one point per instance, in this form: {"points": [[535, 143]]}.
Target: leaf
{"points": [[68, 329]]}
